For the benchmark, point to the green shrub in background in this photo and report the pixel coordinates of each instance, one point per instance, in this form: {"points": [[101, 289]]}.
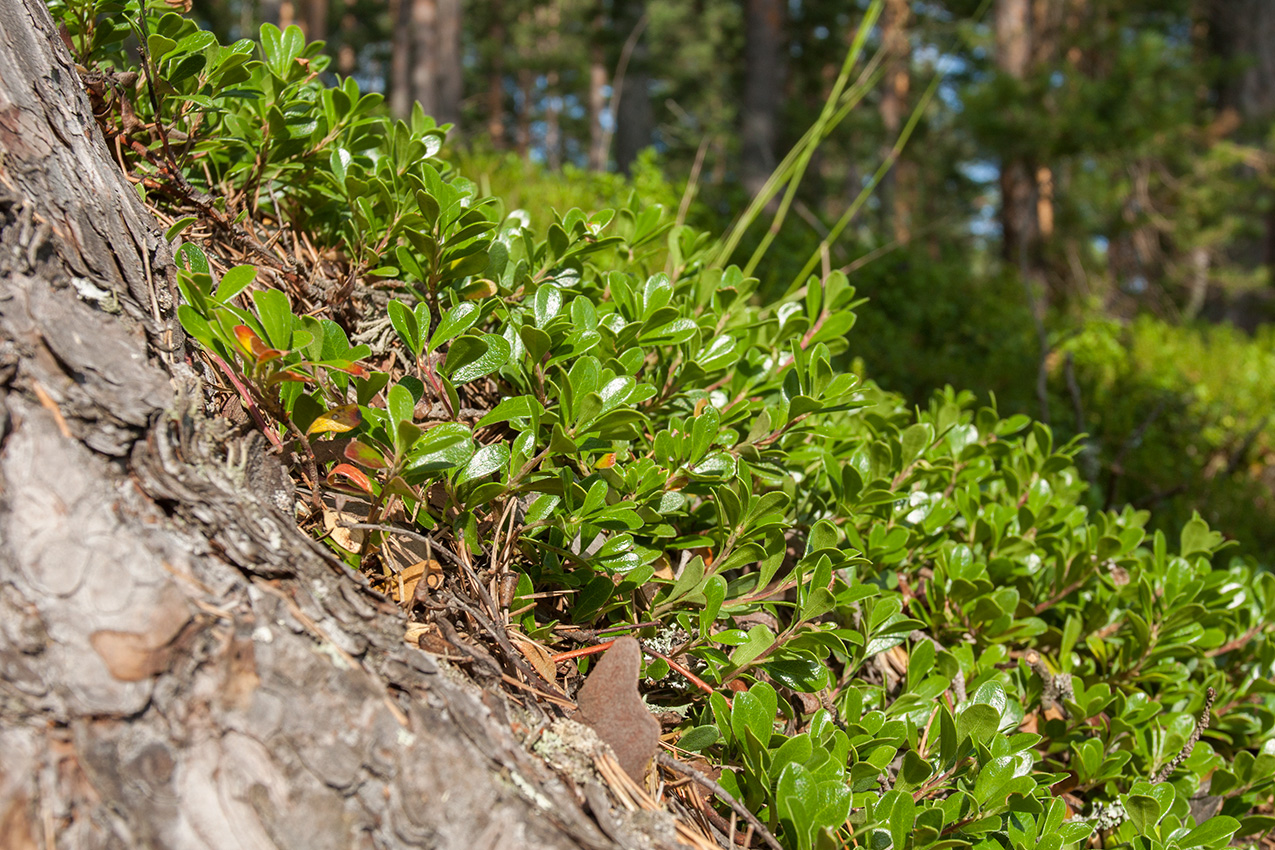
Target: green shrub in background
{"points": [[1181, 420], [906, 628], [1177, 417], [935, 323], [539, 190]]}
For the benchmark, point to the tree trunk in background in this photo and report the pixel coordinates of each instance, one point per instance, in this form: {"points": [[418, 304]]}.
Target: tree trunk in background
{"points": [[1019, 226], [435, 75], [401, 58], [551, 50], [424, 56], [181, 666], [269, 12], [1242, 33], [1013, 57], [634, 119], [597, 95], [1048, 19], [314, 19], [450, 70], [899, 184], [347, 58], [763, 87], [553, 129], [526, 91], [496, 78]]}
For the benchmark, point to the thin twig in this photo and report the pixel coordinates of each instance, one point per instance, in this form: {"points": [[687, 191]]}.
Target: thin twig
{"points": [[692, 183], [1238, 643], [691, 773], [502, 639], [407, 532], [247, 399]]}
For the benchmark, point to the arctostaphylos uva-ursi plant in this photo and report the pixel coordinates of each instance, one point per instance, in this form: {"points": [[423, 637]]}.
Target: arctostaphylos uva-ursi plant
{"points": [[884, 627]]}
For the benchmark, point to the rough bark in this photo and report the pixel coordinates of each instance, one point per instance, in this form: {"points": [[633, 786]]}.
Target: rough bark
{"points": [[179, 665], [763, 86]]}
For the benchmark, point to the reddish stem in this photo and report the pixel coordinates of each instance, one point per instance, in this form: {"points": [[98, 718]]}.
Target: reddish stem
{"points": [[582, 651], [247, 400], [601, 647]]}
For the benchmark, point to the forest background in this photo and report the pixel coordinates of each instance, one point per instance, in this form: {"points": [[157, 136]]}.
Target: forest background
{"points": [[1068, 205]]}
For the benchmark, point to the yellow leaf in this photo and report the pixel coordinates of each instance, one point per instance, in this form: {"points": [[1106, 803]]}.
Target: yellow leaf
{"points": [[337, 420]]}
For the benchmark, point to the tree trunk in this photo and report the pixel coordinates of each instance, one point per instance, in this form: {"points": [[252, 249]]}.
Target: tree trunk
{"points": [[763, 84], [314, 19], [347, 58], [899, 184], [496, 78], [401, 58], [181, 666], [553, 126], [1013, 57], [424, 54], [436, 75], [269, 13], [550, 47], [1242, 33], [634, 118], [526, 91], [451, 72], [597, 95]]}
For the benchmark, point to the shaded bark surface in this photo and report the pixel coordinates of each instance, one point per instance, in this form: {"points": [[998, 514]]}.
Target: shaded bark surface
{"points": [[179, 665]]}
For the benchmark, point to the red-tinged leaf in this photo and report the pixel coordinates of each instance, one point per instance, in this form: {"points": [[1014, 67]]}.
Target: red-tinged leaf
{"points": [[265, 355], [338, 420], [248, 339], [292, 376], [354, 369], [346, 477], [364, 455], [606, 461]]}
